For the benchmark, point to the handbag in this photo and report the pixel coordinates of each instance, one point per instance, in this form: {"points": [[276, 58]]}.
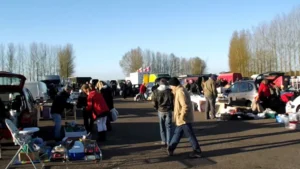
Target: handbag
{"points": [[114, 114]]}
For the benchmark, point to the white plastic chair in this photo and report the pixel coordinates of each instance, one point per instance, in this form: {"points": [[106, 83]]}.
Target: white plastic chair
{"points": [[21, 138]]}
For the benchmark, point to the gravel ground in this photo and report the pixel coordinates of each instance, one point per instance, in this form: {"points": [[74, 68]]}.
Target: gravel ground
{"points": [[134, 143]]}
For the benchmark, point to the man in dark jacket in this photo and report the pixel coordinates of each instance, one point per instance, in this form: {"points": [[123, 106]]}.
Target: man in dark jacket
{"points": [[82, 103], [106, 92], [163, 103], [59, 104], [52, 91]]}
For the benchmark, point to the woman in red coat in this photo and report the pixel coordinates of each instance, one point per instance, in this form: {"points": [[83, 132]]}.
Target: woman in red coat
{"points": [[264, 93], [143, 91], [97, 105]]}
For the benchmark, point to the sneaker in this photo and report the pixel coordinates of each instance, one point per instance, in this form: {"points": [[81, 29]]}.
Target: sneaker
{"points": [[196, 154], [170, 152], [163, 143]]}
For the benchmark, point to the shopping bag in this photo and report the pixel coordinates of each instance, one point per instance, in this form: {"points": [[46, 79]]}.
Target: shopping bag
{"points": [[114, 114], [101, 124]]}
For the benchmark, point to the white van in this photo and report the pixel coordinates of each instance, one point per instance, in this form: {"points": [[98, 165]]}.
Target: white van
{"points": [[38, 90]]}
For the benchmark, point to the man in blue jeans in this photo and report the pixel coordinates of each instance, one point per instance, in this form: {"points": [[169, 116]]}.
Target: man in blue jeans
{"points": [[183, 116], [59, 104], [163, 103]]}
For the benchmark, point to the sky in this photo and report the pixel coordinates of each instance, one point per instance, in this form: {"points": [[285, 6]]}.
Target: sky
{"points": [[103, 31]]}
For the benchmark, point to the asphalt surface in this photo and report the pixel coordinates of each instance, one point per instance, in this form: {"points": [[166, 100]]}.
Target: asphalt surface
{"points": [[135, 143]]}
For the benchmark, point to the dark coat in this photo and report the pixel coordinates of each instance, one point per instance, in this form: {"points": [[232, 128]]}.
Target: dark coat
{"points": [[60, 103]]}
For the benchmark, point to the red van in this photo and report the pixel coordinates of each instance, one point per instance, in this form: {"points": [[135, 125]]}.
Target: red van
{"points": [[230, 77]]}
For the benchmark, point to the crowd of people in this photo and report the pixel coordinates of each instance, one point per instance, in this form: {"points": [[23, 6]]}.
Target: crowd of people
{"points": [[170, 99], [96, 102]]}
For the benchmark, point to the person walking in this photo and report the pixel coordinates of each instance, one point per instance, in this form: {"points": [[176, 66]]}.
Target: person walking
{"points": [[184, 117], [82, 103], [59, 104], [124, 90], [210, 93], [143, 91], [163, 103]]}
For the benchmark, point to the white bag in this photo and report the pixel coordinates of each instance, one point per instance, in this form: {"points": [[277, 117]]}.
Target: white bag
{"points": [[114, 114], [137, 97], [101, 124]]}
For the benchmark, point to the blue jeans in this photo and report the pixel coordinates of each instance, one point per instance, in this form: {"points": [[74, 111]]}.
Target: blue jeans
{"points": [[57, 125], [186, 129], [165, 123]]}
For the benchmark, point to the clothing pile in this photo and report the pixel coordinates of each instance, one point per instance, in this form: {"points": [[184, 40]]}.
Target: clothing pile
{"points": [[73, 127]]}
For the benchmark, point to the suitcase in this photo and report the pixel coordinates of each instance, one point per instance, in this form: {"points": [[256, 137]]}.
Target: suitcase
{"points": [[46, 113]]}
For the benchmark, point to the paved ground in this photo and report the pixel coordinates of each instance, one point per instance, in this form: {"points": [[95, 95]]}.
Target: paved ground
{"points": [[134, 143]]}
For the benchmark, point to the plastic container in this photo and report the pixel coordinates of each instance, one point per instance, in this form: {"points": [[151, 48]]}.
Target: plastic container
{"points": [[77, 151]]}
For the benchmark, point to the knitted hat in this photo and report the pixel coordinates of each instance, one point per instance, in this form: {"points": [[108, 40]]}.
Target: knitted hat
{"points": [[174, 82]]}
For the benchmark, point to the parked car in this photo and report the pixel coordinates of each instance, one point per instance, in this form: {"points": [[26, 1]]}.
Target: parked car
{"points": [[243, 92], [17, 102], [38, 90]]}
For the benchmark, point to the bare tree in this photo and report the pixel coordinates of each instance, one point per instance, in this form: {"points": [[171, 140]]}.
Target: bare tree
{"points": [[198, 66], [21, 58], [66, 60], [2, 57], [132, 61], [11, 52]]}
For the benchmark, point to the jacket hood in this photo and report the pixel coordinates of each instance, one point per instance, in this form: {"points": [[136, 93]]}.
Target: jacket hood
{"points": [[162, 87]]}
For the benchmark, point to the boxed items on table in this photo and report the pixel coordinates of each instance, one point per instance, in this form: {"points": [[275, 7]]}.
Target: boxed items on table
{"points": [[76, 149], [36, 150], [74, 130], [59, 153], [91, 150]]}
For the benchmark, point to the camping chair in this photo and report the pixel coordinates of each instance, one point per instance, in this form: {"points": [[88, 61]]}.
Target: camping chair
{"points": [[23, 139]]}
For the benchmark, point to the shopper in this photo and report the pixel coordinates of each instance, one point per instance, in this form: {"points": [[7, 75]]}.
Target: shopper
{"points": [[82, 103], [264, 93], [143, 91], [97, 105], [60, 103], [183, 116], [163, 102], [113, 85], [210, 93], [124, 90], [106, 92]]}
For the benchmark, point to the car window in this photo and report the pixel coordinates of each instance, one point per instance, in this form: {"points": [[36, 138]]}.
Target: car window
{"points": [[30, 96], [243, 87], [234, 88], [250, 87], [29, 99]]}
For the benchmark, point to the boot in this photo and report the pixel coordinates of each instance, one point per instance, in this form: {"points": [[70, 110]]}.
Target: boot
{"points": [[102, 136]]}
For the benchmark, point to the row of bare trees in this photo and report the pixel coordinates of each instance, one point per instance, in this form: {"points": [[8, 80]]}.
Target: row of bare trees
{"points": [[271, 46], [37, 59], [161, 63]]}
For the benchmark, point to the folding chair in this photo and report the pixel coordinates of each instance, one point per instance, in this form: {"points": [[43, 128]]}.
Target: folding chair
{"points": [[22, 138]]}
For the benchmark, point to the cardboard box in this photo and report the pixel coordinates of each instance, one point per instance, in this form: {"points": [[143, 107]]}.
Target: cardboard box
{"points": [[33, 155]]}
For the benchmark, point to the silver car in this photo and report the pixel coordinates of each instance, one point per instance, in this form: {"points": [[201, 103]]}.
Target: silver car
{"points": [[242, 93]]}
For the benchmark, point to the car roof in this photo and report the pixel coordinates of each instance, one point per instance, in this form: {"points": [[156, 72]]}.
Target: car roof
{"points": [[249, 81]]}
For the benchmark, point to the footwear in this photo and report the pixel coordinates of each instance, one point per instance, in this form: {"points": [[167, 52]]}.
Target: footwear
{"points": [[163, 143], [170, 152], [196, 154]]}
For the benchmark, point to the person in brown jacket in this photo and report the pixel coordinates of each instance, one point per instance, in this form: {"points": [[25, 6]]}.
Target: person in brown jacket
{"points": [[210, 93], [183, 117]]}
